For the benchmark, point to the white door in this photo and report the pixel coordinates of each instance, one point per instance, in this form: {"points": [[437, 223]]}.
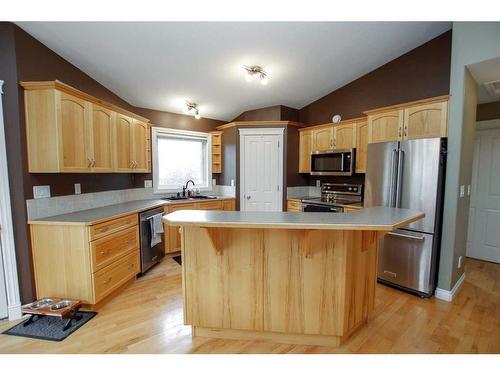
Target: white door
{"points": [[261, 169], [484, 215], [3, 292]]}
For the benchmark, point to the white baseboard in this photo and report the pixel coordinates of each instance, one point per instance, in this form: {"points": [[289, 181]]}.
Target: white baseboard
{"points": [[448, 295], [15, 312]]}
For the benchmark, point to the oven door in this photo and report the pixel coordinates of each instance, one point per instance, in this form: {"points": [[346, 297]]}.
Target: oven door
{"points": [[309, 207], [332, 163]]}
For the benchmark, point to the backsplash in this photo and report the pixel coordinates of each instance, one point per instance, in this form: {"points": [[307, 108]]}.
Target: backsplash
{"points": [[44, 207], [303, 191]]}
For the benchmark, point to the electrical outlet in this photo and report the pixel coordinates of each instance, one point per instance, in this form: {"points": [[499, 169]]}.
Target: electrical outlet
{"points": [[462, 191], [78, 189], [214, 182], [232, 182], [42, 191], [318, 183], [148, 183], [459, 263]]}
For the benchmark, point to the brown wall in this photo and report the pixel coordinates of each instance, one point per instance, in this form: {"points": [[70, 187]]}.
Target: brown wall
{"points": [[423, 72], [488, 111], [274, 113], [23, 58]]}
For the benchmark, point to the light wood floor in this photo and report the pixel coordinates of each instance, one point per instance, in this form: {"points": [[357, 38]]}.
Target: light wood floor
{"points": [[147, 318]]}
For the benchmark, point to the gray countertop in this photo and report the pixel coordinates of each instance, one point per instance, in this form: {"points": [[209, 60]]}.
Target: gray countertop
{"points": [[99, 214], [374, 218]]}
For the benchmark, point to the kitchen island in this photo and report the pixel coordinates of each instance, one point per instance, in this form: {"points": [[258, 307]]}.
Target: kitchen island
{"points": [[302, 278]]}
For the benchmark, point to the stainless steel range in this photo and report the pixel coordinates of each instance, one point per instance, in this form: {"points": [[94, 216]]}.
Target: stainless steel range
{"points": [[333, 196]]}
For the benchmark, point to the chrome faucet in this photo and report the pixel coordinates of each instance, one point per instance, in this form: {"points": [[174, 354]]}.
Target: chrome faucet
{"points": [[185, 187]]}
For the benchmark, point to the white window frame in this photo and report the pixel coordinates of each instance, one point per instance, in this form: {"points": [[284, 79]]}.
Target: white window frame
{"points": [[155, 131]]}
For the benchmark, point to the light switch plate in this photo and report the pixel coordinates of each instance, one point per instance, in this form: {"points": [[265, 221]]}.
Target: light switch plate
{"points": [[318, 183], [78, 189], [41, 191], [232, 182], [462, 191], [468, 190], [148, 183]]}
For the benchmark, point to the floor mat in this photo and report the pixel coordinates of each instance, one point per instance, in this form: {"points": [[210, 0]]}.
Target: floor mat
{"points": [[49, 327]]}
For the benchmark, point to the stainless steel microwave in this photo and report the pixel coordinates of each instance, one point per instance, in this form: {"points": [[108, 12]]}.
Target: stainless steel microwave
{"points": [[333, 163]]}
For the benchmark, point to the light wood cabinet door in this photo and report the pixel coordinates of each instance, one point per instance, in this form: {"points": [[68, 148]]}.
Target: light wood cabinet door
{"points": [[74, 120], [229, 205], [123, 143], [323, 139], [293, 205], [426, 121], [211, 205], [361, 146], [101, 138], [385, 127], [140, 146], [305, 148], [344, 137], [172, 232]]}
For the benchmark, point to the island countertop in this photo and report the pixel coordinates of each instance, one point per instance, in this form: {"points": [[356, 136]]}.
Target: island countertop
{"points": [[374, 218]]}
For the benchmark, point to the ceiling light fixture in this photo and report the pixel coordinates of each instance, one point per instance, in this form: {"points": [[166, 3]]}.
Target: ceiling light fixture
{"points": [[193, 107], [256, 71]]}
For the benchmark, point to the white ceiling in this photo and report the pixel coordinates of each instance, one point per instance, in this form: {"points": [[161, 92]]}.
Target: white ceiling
{"points": [[159, 65], [483, 72]]}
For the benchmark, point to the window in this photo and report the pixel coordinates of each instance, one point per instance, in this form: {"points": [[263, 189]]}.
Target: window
{"points": [[179, 156]]}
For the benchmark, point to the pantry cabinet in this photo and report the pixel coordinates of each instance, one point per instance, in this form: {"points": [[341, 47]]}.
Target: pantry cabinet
{"points": [[69, 131]]}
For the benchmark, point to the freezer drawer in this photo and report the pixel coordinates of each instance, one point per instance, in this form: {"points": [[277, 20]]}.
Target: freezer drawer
{"points": [[405, 259]]}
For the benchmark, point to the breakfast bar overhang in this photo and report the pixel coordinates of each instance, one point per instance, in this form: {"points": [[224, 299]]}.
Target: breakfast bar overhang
{"points": [[301, 278]]}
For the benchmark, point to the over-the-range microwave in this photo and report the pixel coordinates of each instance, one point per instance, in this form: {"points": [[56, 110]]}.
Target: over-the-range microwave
{"points": [[333, 163]]}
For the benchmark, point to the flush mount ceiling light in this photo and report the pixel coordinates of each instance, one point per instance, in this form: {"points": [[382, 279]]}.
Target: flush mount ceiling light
{"points": [[256, 71], [193, 108]]}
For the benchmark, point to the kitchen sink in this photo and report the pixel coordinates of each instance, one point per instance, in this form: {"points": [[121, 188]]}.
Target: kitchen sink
{"points": [[176, 198]]}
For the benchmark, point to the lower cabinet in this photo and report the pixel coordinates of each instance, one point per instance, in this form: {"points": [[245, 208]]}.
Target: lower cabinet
{"points": [[84, 262], [293, 205], [172, 236]]}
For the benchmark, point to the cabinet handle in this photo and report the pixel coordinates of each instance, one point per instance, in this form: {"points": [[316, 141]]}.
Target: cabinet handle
{"points": [[132, 265], [93, 162], [131, 165], [89, 162], [104, 252], [108, 280]]}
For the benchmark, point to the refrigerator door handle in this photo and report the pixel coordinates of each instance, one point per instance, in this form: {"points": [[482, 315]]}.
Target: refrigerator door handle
{"points": [[393, 187], [399, 182], [410, 237]]}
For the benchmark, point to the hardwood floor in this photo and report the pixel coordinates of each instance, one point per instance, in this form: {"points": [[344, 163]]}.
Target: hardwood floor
{"points": [[147, 318]]}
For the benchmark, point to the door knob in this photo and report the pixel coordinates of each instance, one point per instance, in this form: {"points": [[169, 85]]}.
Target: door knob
{"points": [[248, 197]]}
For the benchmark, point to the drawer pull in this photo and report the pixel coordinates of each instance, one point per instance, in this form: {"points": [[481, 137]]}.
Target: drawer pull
{"points": [[108, 280], [105, 229], [132, 265], [104, 252]]}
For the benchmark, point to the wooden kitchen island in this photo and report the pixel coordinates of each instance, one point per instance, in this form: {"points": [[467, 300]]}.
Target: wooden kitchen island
{"points": [[301, 278]]}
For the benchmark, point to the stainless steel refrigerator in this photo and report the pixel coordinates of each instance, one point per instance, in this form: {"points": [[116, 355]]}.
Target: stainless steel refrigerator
{"points": [[408, 174]]}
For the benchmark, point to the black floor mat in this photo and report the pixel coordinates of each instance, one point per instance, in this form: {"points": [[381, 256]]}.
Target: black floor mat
{"points": [[178, 259], [49, 327]]}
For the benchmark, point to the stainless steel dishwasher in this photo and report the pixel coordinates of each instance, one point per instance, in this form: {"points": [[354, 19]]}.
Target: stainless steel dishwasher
{"points": [[149, 255]]}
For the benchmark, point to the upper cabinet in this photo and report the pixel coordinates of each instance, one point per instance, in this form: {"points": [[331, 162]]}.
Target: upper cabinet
{"points": [[420, 119], [323, 139], [328, 137], [305, 148], [361, 146], [385, 127], [72, 132], [426, 121]]}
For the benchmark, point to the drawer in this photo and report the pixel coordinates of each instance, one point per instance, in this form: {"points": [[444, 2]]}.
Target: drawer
{"points": [[228, 205], [116, 274], [107, 249], [212, 205], [112, 226]]}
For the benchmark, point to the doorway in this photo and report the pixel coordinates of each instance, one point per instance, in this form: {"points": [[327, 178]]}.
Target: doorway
{"points": [[483, 237], [261, 169]]}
